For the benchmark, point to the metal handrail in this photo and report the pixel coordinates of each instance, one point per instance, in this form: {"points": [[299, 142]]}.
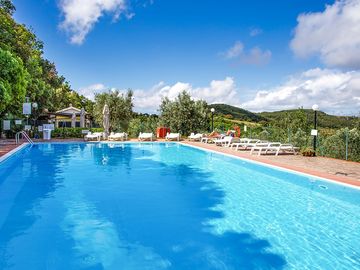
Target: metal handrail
{"points": [[24, 134]]}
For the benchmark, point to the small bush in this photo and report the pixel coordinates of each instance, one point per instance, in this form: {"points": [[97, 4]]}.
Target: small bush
{"points": [[308, 152], [72, 132]]}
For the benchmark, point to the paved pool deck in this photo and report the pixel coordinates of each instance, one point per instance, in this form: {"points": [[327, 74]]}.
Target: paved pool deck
{"points": [[6, 146], [347, 172]]}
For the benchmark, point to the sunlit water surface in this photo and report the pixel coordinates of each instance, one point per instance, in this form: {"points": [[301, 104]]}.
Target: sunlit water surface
{"points": [[168, 206]]}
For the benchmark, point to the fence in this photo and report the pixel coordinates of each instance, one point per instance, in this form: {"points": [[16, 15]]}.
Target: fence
{"points": [[341, 143]]}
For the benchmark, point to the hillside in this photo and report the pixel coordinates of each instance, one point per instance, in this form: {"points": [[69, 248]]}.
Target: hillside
{"points": [[324, 120], [237, 113]]}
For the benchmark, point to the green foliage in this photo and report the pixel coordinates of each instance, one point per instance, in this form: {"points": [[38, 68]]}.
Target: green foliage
{"points": [[308, 152], [72, 132], [43, 84], [301, 139], [7, 6], [324, 120], [143, 123], [237, 113], [184, 114], [335, 145], [13, 82], [120, 106]]}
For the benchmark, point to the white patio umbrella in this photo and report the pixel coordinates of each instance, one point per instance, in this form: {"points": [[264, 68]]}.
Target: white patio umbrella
{"points": [[106, 120], [82, 118], [73, 120]]}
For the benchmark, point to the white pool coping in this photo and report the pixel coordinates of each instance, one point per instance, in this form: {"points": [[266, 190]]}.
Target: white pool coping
{"points": [[13, 151], [275, 167]]}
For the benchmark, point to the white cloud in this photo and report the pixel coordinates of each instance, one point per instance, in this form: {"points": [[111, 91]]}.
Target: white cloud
{"points": [[219, 91], [235, 51], [334, 91], [334, 34], [90, 91], [254, 56], [80, 16], [255, 32]]}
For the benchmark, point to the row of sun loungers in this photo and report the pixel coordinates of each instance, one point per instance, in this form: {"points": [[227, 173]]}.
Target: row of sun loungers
{"points": [[254, 145], [122, 136]]}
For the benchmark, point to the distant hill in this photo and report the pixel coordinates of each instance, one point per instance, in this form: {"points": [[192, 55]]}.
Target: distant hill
{"points": [[237, 113], [324, 120]]}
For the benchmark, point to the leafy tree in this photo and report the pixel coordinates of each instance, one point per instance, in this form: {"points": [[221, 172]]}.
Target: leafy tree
{"points": [[184, 114], [121, 109], [335, 145], [13, 82], [143, 123], [7, 6], [44, 85]]}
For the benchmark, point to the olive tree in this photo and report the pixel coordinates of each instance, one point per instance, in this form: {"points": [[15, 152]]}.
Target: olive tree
{"points": [[13, 83], [184, 114], [121, 108]]}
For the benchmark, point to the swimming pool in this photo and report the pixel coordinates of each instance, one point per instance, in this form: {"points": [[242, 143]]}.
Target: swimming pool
{"points": [[168, 206]]}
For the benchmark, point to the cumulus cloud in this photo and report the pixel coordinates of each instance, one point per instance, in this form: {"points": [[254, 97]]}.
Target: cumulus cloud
{"points": [[334, 91], [218, 91], [235, 51], [333, 34], [80, 16], [255, 32], [253, 56], [90, 91]]}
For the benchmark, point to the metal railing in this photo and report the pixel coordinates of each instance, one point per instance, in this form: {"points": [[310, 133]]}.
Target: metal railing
{"points": [[24, 135]]}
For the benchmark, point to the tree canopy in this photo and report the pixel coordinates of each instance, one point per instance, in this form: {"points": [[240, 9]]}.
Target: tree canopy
{"points": [[13, 82], [37, 77], [121, 109], [184, 114]]}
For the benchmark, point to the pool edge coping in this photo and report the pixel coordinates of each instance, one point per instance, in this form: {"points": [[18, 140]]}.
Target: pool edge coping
{"points": [[13, 151], [278, 167]]}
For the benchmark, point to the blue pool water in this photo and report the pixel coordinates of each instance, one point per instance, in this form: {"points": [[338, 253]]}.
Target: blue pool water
{"points": [[168, 206]]}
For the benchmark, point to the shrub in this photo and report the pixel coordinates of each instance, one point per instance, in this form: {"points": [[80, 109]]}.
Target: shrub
{"points": [[72, 132], [335, 145], [308, 152]]}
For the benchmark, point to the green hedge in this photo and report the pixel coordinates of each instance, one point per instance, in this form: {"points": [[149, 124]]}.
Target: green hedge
{"points": [[72, 132]]}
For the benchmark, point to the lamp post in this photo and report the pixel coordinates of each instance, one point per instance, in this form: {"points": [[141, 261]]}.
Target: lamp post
{"points": [[212, 118], [315, 108], [35, 106]]}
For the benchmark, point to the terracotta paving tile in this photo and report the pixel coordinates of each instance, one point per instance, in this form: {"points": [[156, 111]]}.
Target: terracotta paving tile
{"points": [[7, 146]]}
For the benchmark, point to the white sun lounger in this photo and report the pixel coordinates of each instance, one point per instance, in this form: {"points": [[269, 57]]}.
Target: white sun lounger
{"points": [[146, 136], [226, 141], [120, 136], [195, 137], [245, 144], [93, 136], [172, 136], [275, 148], [262, 146]]}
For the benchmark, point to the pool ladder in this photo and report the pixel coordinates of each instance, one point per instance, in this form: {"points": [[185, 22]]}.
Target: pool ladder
{"points": [[24, 135]]}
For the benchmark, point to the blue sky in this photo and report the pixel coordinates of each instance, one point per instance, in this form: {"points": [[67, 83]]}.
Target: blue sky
{"points": [[223, 51]]}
